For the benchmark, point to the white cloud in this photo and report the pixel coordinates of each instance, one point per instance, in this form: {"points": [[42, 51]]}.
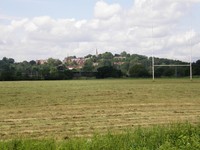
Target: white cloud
{"points": [[112, 29], [31, 27], [104, 11]]}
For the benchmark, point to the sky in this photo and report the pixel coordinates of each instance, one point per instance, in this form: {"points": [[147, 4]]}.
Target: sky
{"points": [[40, 29]]}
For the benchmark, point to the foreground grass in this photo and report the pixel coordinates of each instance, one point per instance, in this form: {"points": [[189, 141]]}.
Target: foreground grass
{"points": [[171, 137]]}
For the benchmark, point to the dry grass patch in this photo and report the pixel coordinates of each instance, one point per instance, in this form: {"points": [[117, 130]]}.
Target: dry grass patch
{"points": [[60, 109]]}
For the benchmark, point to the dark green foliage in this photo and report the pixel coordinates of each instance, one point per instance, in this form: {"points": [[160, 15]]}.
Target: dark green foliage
{"points": [[52, 70], [168, 72], [88, 66], [196, 67], [108, 71], [28, 145], [32, 62], [172, 71], [105, 62], [7, 69], [170, 137], [107, 55], [138, 71]]}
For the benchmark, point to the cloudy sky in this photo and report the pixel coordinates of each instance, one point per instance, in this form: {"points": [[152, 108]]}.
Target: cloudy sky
{"points": [[39, 29]]}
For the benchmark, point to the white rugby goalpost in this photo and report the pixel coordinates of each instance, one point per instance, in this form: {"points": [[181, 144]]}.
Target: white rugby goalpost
{"points": [[171, 65], [189, 64]]}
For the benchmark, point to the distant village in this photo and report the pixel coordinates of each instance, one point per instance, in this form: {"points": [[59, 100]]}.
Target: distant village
{"points": [[77, 63]]}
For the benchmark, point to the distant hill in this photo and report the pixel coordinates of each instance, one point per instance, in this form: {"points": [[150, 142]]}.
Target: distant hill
{"points": [[99, 65]]}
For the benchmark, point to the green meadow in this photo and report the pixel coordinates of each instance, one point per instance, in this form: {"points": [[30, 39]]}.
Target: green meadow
{"points": [[100, 114], [171, 137]]}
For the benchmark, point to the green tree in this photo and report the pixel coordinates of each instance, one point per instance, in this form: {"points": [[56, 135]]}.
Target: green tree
{"points": [[196, 67], [88, 66], [125, 68], [32, 62], [138, 71], [7, 69], [169, 72], [44, 70], [123, 54], [105, 62], [107, 55], [54, 62]]}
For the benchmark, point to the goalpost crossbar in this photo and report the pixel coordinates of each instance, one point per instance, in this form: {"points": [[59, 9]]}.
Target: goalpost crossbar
{"points": [[188, 65], [170, 65]]}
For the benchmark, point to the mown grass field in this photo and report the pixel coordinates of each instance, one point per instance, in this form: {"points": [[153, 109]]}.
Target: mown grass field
{"points": [[62, 110]]}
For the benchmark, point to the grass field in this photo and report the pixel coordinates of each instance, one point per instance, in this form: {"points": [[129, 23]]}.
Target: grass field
{"points": [[62, 110], [171, 137]]}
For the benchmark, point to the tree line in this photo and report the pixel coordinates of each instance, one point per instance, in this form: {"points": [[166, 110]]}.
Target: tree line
{"points": [[102, 66]]}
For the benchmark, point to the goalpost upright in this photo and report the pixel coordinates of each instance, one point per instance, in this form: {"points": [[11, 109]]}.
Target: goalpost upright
{"points": [[171, 65]]}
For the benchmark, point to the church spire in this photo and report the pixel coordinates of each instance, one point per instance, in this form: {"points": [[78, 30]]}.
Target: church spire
{"points": [[97, 52]]}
